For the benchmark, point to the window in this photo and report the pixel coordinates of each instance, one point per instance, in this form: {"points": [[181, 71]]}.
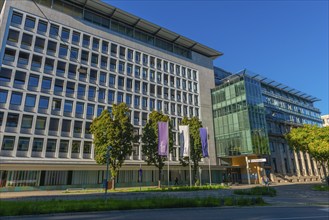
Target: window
{"points": [[105, 47], [54, 30], [101, 95], [81, 90], [49, 65], [63, 50], [51, 145], [42, 26], [75, 37], [51, 48], [128, 99], [70, 88], [111, 96], [43, 102], [9, 55], [3, 96], [46, 83], [23, 144], [16, 98], [39, 43], [33, 81], [100, 110], [8, 143], [86, 41], [16, 18], [37, 145], [68, 105], [27, 40], [66, 127], [5, 75], [27, 121], [13, 36], [121, 82], [94, 59], [90, 110], [76, 147], [120, 97], [112, 80], [58, 86], [91, 92], [63, 146], [79, 108], [85, 56], [56, 104], [114, 49], [102, 77], [53, 124], [19, 78], [12, 120], [29, 22], [41, 123], [61, 66], [65, 34], [95, 43], [23, 59], [77, 127], [30, 100], [87, 148]]}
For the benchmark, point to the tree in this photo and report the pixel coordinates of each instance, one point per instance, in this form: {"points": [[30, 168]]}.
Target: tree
{"points": [[195, 145], [116, 131], [311, 139], [150, 141]]}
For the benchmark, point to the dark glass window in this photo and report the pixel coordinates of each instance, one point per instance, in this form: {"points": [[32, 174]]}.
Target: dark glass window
{"points": [[81, 90], [16, 18], [3, 96], [30, 100], [68, 105], [105, 46], [33, 81], [90, 109], [19, 78], [23, 144], [79, 108], [5, 75], [42, 26], [63, 50], [40, 123], [84, 56], [74, 53], [9, 55], [95, 44], [54, 30], [51, 145], [46, 83], [29, 22], [37, 145], [43, 102], [63, 147], [12, 120], [27, 40], [16, 98], [75, 37], [86, 41], [13, 36], [27, 121], [65, 34], [8, 143], [91, 92], [39, 43]]}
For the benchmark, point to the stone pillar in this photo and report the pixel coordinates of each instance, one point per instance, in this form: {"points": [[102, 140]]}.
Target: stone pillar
{"points": [[289, 162], [297, 164], [283, 167], [308, 161], [303, 168]]}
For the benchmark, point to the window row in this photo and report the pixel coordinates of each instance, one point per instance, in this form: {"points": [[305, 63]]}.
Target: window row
{"points": [[47, 145], [68, 36]]}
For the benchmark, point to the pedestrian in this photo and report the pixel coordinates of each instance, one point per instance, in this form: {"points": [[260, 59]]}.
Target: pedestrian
{"points": [[176, 181]]}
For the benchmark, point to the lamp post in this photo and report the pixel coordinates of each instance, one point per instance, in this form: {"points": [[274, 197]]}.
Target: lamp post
{"points": [[107, 169]]}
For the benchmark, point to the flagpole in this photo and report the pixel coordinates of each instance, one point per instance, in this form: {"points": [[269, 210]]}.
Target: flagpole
{"points": [[168, 160], [209, 156], [189, 158]]}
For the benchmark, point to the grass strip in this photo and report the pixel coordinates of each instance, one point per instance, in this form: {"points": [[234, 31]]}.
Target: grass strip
{"points": [[321, 188], [15, 208], [257, 191]]}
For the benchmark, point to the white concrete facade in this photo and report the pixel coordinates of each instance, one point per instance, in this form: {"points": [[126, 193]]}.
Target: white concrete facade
{"points": [[46, 107]]}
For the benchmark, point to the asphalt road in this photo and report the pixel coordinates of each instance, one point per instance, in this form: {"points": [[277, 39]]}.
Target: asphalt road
{"points": [[252, 213]]}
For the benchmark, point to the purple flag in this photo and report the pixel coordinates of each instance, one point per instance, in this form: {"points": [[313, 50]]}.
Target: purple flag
{"points": [[204, 141], [163, 138]]}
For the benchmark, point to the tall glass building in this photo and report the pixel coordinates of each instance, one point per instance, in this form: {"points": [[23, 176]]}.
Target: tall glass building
{"points": [[63, 62], [251, 115]]}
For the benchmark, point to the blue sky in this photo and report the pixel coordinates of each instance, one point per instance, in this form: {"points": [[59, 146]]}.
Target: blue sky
{"points": [[286, 41]]}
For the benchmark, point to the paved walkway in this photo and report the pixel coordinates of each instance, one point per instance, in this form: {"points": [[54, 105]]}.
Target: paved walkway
{"points": [[288, 194]]}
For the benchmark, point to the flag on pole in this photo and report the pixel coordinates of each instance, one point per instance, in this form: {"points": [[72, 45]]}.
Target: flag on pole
{"points": [[204, 141], [163, 140], [184, 136]]}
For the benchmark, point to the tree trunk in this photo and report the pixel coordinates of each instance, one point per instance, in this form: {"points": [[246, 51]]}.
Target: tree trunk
{"points": [[159, 180], [113, 183]]}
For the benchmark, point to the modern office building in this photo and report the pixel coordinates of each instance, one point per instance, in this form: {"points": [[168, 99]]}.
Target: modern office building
{"points": [[325, 120], [63, 62], [251, 115]]}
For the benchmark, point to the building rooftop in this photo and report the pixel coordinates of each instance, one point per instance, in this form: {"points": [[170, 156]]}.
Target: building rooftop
{"points": [[146, 26]]}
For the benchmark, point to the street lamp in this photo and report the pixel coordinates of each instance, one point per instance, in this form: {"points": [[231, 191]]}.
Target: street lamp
{"points": [[107, 169]]}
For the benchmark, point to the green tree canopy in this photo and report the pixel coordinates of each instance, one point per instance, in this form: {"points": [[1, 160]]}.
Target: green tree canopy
{"points": [[150, 141], [195, 145], [311, 139], [116, 131]]}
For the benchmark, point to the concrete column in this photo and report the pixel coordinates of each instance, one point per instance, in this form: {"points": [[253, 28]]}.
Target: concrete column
{"points": [[308, 161], [291, 168], [297, 164], [283, 168], [303, 168]]}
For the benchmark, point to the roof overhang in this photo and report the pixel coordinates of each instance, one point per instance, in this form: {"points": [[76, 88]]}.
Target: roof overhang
{"points": [[148, 27]]}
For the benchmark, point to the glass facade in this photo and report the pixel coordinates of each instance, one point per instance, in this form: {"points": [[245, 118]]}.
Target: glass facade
{"points": [[239, 118]]}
